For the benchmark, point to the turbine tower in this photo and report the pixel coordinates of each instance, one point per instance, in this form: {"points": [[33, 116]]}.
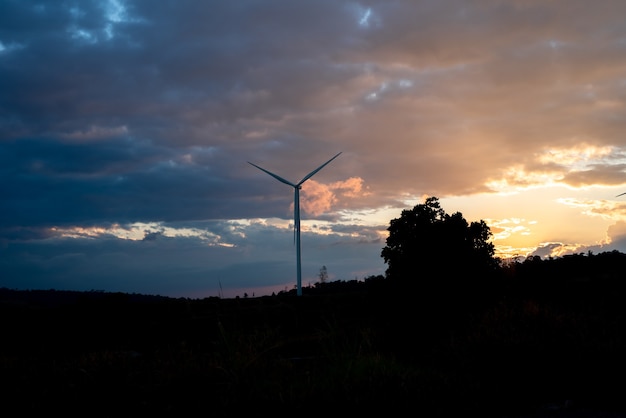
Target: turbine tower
{"points": [[296, 212]]}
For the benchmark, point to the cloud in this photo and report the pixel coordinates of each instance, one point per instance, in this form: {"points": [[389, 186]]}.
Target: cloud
{"points": [[127, 113], [352, 187], [96, 132], [617, 235], [318, 198]]}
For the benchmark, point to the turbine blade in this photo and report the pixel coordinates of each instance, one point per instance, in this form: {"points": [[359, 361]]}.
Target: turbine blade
{"points": [[282, 180], [312, 173], [621, 194]]}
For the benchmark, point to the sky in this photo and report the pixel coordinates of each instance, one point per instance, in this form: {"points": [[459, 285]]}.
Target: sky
{"points": [[127, 128]]}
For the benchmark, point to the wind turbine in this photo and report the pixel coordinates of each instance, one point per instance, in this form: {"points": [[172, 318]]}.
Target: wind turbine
{"points": [[296, 212]]}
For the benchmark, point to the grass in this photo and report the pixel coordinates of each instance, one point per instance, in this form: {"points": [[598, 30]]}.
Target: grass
{"points": [[109, 355]]}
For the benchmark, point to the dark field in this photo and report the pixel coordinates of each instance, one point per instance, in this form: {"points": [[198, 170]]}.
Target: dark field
{"points": [[357, 349]]}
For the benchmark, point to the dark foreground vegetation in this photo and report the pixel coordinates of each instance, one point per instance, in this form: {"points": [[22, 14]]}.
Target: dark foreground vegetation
{"points": [[514, 348], [449, 331]]}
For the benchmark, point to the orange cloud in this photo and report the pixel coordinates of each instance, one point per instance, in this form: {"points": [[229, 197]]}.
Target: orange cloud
{"points": [[352, 187], [317, 198]]}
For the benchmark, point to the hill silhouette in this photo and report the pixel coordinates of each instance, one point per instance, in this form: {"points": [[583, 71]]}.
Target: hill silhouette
{"points": [[543, 338]]}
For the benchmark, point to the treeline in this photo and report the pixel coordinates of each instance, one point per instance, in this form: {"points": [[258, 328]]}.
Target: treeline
{"points": [[13, 299], [533, 273], [609, 265]]}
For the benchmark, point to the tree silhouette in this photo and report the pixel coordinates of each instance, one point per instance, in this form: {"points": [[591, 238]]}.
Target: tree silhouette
{"points": [[323, 274], [428, 249]]}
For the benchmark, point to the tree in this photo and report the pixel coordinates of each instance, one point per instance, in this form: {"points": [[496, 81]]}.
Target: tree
{"points": [[427, 247], [323, 275]]}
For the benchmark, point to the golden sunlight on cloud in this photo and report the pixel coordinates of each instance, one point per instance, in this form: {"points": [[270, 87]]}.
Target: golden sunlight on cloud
{"points": [[352, 187], [577, 166], [555, 249], [506, 252], [605, 209], [510, 237], [318, 198], [576, 155], [505, 228], [515, 178]]}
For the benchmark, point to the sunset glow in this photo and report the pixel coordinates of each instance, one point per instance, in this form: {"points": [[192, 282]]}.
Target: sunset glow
{"points": [[126, 128]]}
